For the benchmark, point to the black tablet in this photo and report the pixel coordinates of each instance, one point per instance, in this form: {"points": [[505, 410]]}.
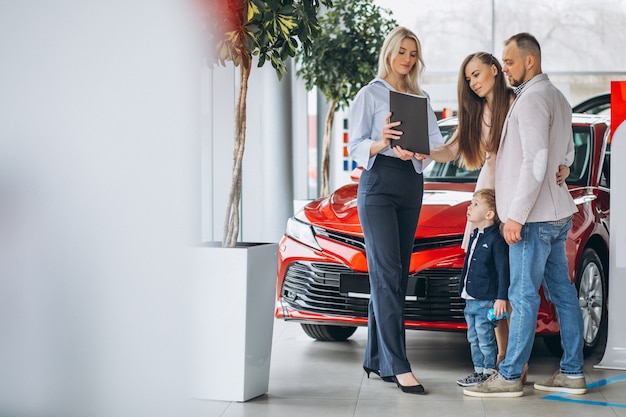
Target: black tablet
{"points": [[412, 111]]}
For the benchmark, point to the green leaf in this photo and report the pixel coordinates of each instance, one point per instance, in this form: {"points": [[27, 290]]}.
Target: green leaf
{"points": [[345, 52], [253, 9], [274, 30]]}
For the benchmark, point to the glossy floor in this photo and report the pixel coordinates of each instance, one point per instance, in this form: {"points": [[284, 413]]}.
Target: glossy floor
{"points": [[313, 379]]}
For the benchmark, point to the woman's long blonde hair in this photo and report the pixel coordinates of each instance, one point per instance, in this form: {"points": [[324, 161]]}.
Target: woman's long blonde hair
{"points": [[391, 49], [470, 114]]}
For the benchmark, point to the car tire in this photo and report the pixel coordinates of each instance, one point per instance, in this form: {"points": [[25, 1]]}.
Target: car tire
{"points": [[592, 295], [591, 284], [327, 333]]}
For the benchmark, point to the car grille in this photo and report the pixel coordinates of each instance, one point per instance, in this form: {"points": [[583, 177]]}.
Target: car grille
{"points": [[419, 245], [315, 287]]}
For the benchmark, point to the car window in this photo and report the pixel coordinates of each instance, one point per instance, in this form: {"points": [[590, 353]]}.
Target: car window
{"points": [[449, 171], [605, 175], [579, 170]]}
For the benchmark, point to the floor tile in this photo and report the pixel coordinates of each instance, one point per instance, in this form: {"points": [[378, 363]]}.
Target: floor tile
{"points": [[312, 378]]}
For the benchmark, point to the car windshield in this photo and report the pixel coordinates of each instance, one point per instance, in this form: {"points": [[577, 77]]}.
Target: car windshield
{"points": [[448, 171], [451, 172]]}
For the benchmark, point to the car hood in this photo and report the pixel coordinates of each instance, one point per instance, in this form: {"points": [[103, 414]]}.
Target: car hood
{"points": [[443, 210]]}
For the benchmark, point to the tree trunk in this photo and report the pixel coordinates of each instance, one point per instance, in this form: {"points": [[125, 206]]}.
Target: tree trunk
{"points": [[232, 220], [328, 130]]}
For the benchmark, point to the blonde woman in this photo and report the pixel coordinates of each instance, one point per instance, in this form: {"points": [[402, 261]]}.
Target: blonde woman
{"points": [[389, 201]]}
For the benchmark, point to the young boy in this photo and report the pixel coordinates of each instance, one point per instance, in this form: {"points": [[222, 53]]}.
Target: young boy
{"points": [[484, 284]]}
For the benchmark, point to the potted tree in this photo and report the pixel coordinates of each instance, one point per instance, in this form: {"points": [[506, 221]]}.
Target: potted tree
{"points": [[232, 285], [343, 58]]}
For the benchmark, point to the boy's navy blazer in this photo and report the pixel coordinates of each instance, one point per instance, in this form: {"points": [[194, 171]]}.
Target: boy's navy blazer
{"points": [[488, 277]]}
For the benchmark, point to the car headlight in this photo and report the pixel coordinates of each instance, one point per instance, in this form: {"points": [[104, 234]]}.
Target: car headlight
{"points": [[302, 232]]}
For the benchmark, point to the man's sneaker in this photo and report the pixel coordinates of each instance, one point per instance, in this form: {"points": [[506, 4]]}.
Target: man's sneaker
{"points": [[473, 379], [496, 387], [562, 383]]}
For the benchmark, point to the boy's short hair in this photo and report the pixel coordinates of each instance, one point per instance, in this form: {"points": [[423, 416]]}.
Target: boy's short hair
{"points": [[489, 197]]}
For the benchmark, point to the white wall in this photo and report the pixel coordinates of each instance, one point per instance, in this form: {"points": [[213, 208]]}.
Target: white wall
{"points": [[99, 180], [115, 151]]}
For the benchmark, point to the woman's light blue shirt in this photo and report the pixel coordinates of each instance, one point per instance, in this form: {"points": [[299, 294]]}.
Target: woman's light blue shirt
{"points": [[367, 119]]}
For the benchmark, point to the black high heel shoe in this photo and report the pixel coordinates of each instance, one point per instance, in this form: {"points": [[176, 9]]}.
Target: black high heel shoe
{"points": [[377, 372], [410, 389]]}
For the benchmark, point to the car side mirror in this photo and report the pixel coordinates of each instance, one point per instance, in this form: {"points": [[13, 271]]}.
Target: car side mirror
{"points": [[355, 175]]}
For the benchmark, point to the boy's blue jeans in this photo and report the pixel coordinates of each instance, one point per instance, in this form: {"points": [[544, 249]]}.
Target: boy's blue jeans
{"points": [[481, 334], [540, 258]]}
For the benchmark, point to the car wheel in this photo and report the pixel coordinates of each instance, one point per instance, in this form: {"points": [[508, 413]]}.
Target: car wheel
{"points": [[326, 333], [591, 286]]}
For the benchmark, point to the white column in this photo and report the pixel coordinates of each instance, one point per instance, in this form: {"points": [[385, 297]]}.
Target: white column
{"points": [[267, 188], [98, 177], [267, 167], [615, 352]]}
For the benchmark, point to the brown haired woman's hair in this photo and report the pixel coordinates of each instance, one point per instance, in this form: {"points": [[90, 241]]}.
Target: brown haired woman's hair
{"points": [[489, 198], [470, 114]]}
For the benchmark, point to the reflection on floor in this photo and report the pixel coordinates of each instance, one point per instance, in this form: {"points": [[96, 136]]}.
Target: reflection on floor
{"points": [[325, 379]]}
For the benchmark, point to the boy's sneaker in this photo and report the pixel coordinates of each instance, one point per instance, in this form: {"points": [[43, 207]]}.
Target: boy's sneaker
{"points": [[496, 387], [562, 383], [473, 379]]}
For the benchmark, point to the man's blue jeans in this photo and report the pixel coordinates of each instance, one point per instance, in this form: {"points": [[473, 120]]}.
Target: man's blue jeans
{"points": [[481, 334], [540, 258]]}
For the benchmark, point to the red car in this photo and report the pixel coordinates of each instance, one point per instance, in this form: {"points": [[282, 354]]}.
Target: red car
{"points": [[322, 269]]}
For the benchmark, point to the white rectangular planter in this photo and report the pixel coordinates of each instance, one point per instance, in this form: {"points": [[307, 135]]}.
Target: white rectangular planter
{"points": [[231, 304]]}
